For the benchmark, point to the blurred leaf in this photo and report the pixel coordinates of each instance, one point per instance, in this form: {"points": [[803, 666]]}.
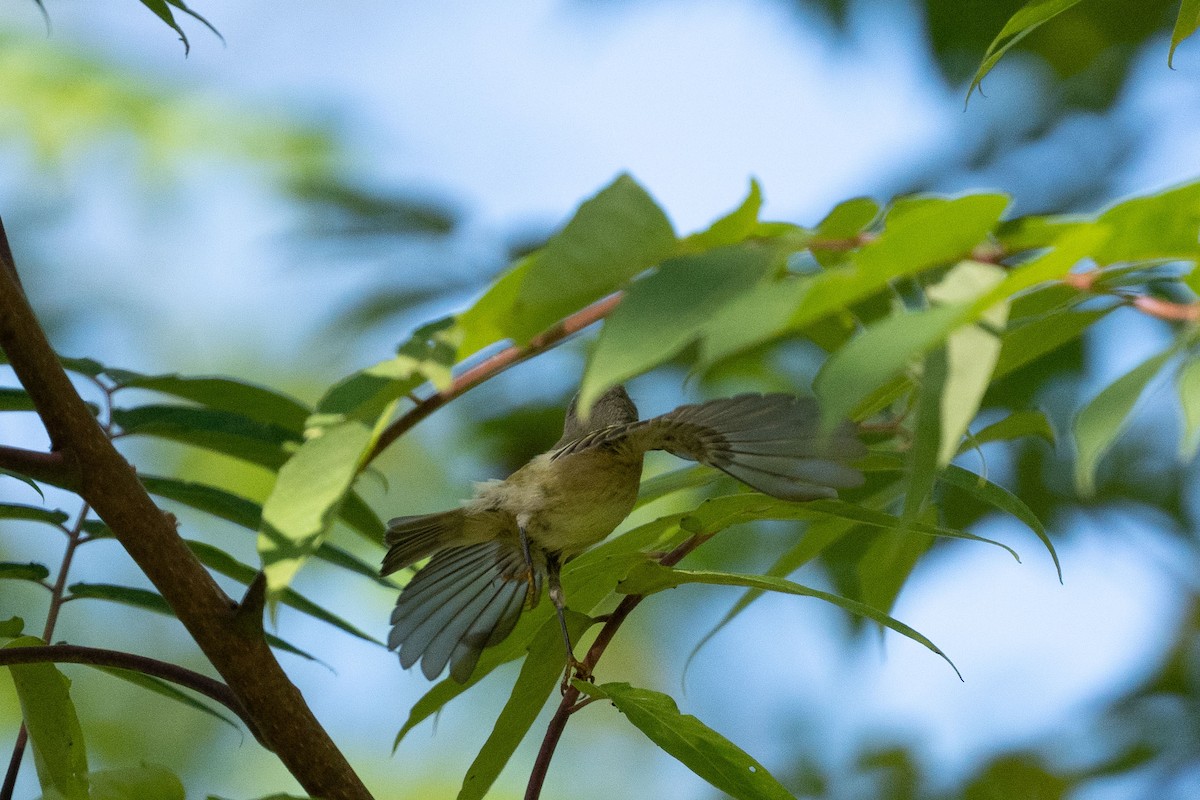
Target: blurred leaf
{"points": [[1185, 25], [971, 352], [650, 577], [664, 312], [757, 315], [362, 518], [219, 561], [11, 628], [1017, 775], [878, 519], [732, 228], [848, 219], [339, 209], [1188, 385], [1015, 426], [1159, 226], [169, 691], [307, 494], [270, 797], [1030, 342], [1103, 419], [32, 484], [1002, 499], [15, 400], [541, 672], [921, 466], [1019, 25], [697, 746], [260, 404], [33, 514], [612, 237], [10, 570], [54, 732], [220, 431], [152, 601], [143, 782], [678, 480]]}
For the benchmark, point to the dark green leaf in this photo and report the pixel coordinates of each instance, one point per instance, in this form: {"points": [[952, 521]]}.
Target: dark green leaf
{"points": [[15, 400], [1185, 25], [701, 749], [54, 732], [1104, 418], [541, 672], [208, 499], [169, 691], [33, 514], [1019, 25], [362, 518], [650, 577], [143, 782], [1015, 426], [32, 484], [11, 628], [224, 394], [666, 311], [10, 570], [922, 460], [307, 494], [212, 429]]}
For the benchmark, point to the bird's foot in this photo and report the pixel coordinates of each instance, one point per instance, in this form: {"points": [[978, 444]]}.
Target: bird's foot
{"points": [[531, 589]]}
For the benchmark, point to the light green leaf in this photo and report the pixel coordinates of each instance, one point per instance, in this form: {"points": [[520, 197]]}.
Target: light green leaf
{"points": [[54, 732], [878, 519], [922, 459], [224, 394], [1019, 25], [487, 321], [541, 672], [1185, 25], [1029, 342], [10, 570], [664, 312], [307, 494], [760, 314], [677, 480], [1161, 226], [697, 746], [651, 577], [1015, 426], [220, 431], [848, 219], [168, 690], [33, 514], [1103, 419], [152, 601], [1069, 249], [732, 228], [1188, 384], [144, 782]]}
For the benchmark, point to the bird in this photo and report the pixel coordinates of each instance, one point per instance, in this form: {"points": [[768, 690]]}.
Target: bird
{"points": [[488, 559]]}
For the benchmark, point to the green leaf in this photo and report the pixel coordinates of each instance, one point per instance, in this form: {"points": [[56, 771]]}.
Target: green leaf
{"points": [[677, 480], [208, 499], [541, 672], [922, 459], [307, 494], [169, 691], [732, 228], [1028, 343], [147, 600], [220, 431], [223, 394], [362, 518], [1015, 426], [162, 10], [878, 354], [651, 577], [54, 732], [1072, 246], [697, 746], [848, 219], [10, 570], [32, 484], [1161, 226], [1188, 384], [971, 352], [1019, 25], [143, 782], [664, 312], [1002, 499], [612, 237], [1185, 25], [15, 400], [33, 514], [219, 561], [11, 628], [1103, 419]]}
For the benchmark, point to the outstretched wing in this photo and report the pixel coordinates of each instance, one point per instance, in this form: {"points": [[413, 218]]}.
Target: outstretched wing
{"points": [[464, 600], [771, 442]]}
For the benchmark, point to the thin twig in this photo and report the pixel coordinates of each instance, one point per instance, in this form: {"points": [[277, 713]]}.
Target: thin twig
{"points": [[570, 702]]}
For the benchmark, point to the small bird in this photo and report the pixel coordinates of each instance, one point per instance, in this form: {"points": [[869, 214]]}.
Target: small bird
{"points": [[489, 556]]}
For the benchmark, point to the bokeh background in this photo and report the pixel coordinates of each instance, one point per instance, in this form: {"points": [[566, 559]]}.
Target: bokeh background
{"points": [[284, 206]]}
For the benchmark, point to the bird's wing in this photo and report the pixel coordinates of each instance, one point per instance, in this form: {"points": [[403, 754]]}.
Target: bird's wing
{"points": [[464, 600], [410, 539], [771, 442]]}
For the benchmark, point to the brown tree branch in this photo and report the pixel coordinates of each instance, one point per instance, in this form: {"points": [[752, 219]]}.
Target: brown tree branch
{"points": [[570, 699], [52, 468], [109, 484], [101, 657], [493, 366]]}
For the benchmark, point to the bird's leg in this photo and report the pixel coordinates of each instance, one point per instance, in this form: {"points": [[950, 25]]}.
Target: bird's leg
{"points": [[531, 591], [553, 569]]}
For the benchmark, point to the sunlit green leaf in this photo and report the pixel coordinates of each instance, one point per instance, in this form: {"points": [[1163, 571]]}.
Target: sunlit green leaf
{"points": [[1188, 385], [701, 749], [54, 732], [664, 312], [1185, 25], [1019, 25], [220, 431], [143, 782], [1159, 226], [1103, 419], [848, 219], [732, 228], [922, 459], [307, 494]]}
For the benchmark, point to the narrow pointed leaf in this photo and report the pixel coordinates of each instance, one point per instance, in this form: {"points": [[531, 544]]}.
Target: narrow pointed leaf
{"points": [[220, 431], [31, 571], [169, 691], [224, 394], [1016, 425], [1019, 25], [33, 514], [1185, 25], [1188, 385]]}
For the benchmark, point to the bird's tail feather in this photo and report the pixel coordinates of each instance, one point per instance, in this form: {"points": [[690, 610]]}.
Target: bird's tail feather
{"points": [[412, 538], [464, 600]]}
